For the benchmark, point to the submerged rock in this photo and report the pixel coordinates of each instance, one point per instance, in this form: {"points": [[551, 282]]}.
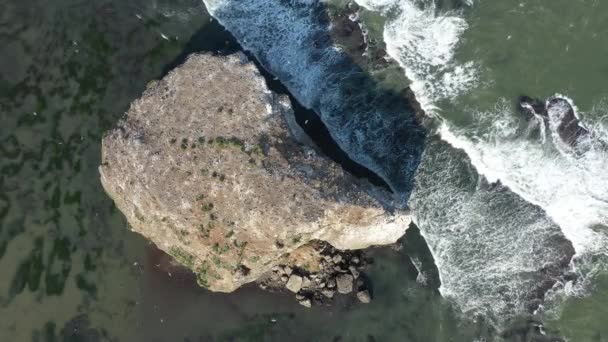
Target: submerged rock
{"points": [[561, 117], [531, 107], [205, 165]]}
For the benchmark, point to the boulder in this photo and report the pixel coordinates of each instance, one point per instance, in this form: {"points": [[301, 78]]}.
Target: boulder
{"points": [[210, 165], [294, 284], [563, 120], [560, 114], [344, 283], [353, 270]]}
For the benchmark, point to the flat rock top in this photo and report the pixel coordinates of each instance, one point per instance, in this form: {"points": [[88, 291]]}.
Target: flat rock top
{"points": [[205, 166]]}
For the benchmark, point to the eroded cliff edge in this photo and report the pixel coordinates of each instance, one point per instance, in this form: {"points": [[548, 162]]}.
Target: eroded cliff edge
{"points": [[210, 166]]}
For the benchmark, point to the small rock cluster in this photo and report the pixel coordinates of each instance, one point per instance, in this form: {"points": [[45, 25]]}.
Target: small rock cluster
{"points": [[351, 34], [337, 272]]}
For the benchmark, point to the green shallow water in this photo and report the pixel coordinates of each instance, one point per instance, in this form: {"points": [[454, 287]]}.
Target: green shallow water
{"points": [[538, 48], [70, 270]]}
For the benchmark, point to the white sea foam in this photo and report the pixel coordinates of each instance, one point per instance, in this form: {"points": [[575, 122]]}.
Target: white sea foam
{"points": [[377, 5], [483, 251], [423, 42], [488, 244], [572, 189]]}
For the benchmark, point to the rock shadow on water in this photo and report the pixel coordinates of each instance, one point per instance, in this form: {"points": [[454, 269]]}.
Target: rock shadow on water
{"points": [[376, 127], [175, 307]]}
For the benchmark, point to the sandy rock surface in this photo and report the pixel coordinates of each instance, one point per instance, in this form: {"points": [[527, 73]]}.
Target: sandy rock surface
{"points": [[205, 165]]}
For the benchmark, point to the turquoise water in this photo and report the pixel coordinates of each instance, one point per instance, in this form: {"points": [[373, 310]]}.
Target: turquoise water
{"points": [[72, 271]]}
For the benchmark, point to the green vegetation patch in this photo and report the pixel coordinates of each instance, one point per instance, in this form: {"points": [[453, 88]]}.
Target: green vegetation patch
{"points": [[220, 249], [219, 263], [236, 143], [207, 207], [181, 256], [205, 230], [202, 275], [254, 259]]}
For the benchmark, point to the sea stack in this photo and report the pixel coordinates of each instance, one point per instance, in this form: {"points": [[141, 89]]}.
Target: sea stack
{"points": [[210, 165]]}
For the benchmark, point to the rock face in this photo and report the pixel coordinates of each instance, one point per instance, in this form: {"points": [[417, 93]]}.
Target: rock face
{"points": [[205, 165]]}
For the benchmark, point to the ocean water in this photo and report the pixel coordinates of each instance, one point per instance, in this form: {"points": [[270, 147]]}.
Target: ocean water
{"points": [[499, 203], [468, 63]]}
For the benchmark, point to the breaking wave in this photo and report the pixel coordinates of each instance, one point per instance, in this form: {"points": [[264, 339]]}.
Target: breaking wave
{"points": [[573, 189], [496, 253], [423, 42], [533, 162]]}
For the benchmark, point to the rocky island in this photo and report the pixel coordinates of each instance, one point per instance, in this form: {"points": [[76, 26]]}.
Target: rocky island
{"points": [[211, 166]]}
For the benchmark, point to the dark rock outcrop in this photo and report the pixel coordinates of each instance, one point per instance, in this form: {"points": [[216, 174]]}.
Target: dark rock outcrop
{"points": [[558, 114]]}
